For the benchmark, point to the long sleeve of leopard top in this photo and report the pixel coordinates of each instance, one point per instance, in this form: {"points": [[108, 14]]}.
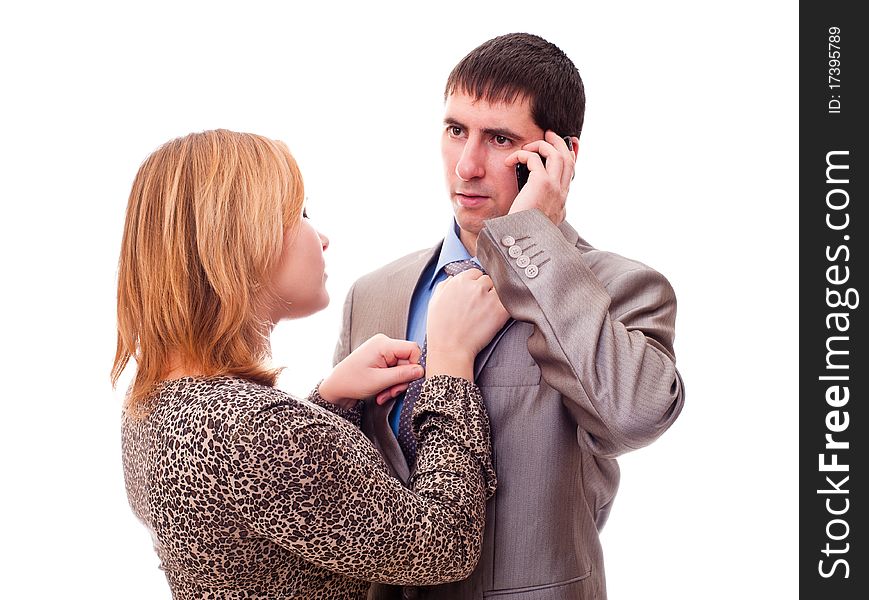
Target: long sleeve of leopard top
{"points": [[317, 487], [354, 415]]}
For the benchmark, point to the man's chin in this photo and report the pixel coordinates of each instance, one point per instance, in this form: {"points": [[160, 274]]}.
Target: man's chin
{"points": [[470, 221], [473, 220]]}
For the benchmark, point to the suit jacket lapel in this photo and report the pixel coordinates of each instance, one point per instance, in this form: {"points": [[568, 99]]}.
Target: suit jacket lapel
{"points": [[400, 282], [390, 318], [485, 353]]}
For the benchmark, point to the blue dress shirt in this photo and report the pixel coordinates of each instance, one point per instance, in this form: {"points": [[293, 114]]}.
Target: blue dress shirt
{"points": [[451, 251]]}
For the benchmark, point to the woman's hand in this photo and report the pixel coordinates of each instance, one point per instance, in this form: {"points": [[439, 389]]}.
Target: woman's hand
{"points": [[381, 367], [463, 316]]}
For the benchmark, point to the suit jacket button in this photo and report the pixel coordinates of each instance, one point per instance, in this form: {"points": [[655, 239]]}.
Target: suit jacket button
{"points": [[508, 240], [523, 261], [531, 271], [515, 251]]}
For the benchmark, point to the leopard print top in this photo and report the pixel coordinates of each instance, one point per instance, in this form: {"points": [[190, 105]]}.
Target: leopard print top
{"points": [[251, 493]]}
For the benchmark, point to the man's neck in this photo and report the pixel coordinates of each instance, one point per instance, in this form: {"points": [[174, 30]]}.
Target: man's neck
{"points": [[469, 241]]}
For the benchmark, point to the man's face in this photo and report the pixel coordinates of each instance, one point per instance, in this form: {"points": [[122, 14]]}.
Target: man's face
{"points": [[478, 136]]}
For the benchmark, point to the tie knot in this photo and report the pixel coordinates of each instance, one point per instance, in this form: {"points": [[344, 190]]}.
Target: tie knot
{"points": [[457, 266]]}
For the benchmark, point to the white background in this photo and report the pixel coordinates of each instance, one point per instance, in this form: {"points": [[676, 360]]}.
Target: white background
{"points": [[688, 162]]}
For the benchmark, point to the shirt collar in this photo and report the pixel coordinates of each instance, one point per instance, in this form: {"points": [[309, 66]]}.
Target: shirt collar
{"points": [[452, 250]]}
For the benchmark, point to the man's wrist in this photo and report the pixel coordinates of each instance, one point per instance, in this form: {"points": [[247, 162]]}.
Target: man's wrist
{"points": [[555, 216], [457, 363]]}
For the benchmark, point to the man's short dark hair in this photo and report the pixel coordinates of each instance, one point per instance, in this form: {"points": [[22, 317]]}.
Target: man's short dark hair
{"points": [[519, 65]]}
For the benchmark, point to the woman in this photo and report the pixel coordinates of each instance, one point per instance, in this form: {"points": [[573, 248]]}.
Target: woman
{"points": [[249, 492]]}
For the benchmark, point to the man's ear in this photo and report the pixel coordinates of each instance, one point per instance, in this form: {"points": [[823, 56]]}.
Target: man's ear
{"points": [[574, 147]]}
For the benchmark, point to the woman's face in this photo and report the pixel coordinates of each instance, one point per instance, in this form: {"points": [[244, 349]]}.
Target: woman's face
{"points": [[300, 279]]}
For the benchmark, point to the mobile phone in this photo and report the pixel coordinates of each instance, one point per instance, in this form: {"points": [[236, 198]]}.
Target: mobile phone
{"points": [[522, 171]]}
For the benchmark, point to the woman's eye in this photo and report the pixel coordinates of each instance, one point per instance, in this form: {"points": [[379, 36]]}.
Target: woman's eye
{"points": [[304, 213]]}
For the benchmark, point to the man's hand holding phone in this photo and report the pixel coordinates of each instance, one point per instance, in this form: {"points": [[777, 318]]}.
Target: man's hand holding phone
{"points": [[551, 164]]}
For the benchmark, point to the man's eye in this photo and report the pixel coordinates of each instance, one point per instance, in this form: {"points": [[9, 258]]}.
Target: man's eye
{"points": [[501, 140], [456, 131]]}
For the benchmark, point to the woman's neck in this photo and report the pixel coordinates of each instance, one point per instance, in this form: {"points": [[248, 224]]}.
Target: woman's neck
{"points": [[177, 367]]}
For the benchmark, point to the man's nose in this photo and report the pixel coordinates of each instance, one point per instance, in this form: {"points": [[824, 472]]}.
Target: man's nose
{"points": [[471, 164]]}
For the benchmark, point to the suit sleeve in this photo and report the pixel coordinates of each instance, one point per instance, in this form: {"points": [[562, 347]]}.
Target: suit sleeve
{"points": [[605, 343], [316, 486]]}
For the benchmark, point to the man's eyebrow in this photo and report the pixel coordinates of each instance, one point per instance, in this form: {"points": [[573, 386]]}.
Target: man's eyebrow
{"points": [[490, 131], [507, 133]]}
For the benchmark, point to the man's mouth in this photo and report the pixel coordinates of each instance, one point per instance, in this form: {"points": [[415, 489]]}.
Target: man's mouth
{"points": [[470, 199]]}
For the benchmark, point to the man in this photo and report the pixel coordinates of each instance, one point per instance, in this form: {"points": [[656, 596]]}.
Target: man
{"points": [[583, 372]]}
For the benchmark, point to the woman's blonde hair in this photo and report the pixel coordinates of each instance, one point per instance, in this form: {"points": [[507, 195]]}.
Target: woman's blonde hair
{"points": [[203, 235]]}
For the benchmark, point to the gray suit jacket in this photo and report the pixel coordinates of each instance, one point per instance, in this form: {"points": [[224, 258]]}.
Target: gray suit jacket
{"points": [[584, 372]]}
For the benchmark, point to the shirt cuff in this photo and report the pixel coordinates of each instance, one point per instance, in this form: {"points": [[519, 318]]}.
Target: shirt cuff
{"points": [[354, 415]]}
